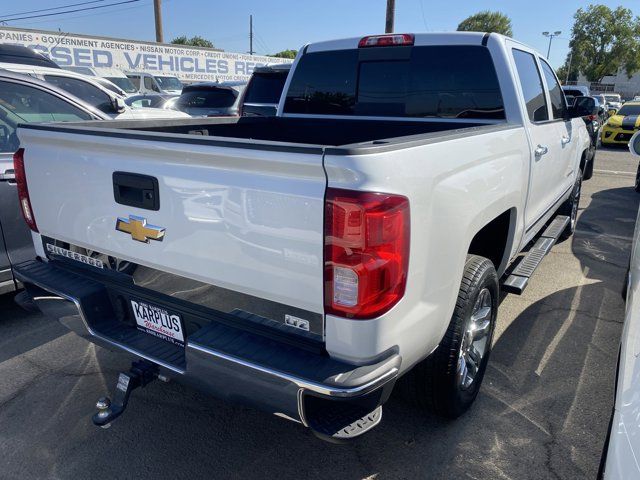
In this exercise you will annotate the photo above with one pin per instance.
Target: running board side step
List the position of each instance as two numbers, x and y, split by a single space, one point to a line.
518 280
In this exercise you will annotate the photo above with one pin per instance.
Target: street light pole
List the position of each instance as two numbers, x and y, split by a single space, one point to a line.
550 35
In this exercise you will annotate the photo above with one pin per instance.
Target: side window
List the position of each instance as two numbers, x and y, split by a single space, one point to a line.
148 83
83 90
24 104
136 81
558 106
531 84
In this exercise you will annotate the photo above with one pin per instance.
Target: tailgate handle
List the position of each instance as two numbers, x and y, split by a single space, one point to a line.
136 190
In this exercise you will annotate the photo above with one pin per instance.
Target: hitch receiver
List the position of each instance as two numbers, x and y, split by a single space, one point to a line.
141 374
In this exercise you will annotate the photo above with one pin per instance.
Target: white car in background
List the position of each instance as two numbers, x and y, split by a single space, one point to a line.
622 448
112 78
613 101
92 92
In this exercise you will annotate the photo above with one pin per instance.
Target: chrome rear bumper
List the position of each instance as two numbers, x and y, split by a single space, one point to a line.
239 366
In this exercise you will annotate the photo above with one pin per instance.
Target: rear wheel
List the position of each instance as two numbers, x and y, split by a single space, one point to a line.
570 208
447 381
588 168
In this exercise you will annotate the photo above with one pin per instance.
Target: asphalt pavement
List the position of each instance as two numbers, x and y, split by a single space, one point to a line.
542 412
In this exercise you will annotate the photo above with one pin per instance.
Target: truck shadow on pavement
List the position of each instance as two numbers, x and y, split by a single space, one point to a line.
21 332
542 412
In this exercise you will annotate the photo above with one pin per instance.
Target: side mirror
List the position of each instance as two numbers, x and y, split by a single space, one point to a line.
634 144
118 105
583 107
612 112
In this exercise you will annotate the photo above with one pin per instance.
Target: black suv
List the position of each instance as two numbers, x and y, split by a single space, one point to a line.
262 95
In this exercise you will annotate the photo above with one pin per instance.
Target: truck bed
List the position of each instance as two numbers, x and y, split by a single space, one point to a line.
292 131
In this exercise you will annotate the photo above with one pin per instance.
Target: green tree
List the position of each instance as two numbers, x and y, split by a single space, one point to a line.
487 21
195 41
603 41
286 54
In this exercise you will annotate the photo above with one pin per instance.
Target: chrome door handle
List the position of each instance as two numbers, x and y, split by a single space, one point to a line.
540 150
565 140
8 176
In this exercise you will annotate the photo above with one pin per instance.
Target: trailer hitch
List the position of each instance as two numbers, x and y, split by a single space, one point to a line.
141 374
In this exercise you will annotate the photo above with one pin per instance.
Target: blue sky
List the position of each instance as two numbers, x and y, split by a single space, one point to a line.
282 24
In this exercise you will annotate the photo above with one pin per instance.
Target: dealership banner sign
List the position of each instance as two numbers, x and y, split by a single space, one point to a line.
184 62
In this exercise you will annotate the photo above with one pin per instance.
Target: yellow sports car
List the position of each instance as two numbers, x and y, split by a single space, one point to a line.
621 126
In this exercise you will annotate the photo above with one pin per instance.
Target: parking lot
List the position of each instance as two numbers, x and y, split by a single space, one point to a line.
542 412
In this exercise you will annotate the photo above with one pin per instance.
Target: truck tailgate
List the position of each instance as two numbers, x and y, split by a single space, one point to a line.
247 221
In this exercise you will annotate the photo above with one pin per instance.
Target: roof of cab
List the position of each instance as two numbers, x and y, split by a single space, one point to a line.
448 38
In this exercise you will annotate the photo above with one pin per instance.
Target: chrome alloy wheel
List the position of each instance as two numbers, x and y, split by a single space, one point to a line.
474 340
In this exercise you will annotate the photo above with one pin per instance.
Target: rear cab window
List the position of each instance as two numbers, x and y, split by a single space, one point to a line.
403 81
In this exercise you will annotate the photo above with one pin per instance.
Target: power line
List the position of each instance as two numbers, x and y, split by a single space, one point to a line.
68 11
116 10
424 20
53 8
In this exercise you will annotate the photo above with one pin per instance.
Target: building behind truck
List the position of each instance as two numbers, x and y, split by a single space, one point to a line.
189 64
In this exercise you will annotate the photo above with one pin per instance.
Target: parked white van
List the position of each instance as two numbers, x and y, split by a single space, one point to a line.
148 83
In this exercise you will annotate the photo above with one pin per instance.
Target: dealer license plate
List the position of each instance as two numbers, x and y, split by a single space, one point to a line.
158 322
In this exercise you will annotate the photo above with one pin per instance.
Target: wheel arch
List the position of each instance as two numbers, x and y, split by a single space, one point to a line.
495 240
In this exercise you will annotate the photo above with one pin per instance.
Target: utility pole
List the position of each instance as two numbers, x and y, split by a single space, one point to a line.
391 8
566 82
157 10
250 34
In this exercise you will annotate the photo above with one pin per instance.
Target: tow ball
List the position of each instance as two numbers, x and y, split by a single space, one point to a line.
141 374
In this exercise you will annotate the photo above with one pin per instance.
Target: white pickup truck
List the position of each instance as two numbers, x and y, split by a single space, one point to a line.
303 263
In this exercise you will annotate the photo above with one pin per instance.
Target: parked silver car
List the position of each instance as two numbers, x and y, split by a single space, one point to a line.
24 99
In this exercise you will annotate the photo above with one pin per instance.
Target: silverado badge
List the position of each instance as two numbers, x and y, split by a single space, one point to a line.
139 230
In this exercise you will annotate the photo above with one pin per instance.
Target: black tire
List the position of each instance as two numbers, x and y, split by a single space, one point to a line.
570 208
434 383
637 184
588 168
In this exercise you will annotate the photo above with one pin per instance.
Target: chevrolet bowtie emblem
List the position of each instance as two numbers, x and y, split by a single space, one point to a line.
139 230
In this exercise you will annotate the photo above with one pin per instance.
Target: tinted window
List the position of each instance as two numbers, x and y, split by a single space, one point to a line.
124 83
169 83
212 98
572 92
23 104
629 110
391 81
265 87
83 90
558 105
531 84
148 83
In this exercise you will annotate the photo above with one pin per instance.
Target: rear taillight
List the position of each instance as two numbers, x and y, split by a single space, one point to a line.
591 117
391 40
23 191
366 256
